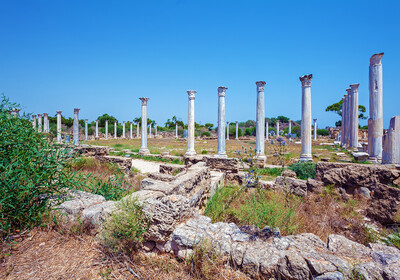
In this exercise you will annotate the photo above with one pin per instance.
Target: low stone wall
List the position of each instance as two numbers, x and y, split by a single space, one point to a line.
91 151
223 164
123 163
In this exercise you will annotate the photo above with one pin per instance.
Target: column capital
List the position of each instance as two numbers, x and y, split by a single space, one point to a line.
97 120
45 114
354 87
39 115
236 122
59 112
33 116
144 100
76 110
376 59
191 94
315 120
260 85
86 120
306 80
221 91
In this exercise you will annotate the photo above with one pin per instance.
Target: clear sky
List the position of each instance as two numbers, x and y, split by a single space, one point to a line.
101 56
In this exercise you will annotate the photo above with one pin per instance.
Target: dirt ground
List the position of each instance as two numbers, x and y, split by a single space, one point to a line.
178 147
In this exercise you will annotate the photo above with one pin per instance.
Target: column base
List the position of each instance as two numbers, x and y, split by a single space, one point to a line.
144 151
261 157
374 160
222 155
190 153
305 158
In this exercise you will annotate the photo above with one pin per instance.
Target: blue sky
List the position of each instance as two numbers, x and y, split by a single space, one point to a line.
101 56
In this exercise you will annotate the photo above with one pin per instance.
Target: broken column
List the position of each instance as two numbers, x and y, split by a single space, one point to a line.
277 128
59 126
76 127
143 148
97 129
176 131
260 121
315 129
290 127
106 130
237 130
131 135
375 121
39 122
391 142
354 116
123 129
86 130
137 130
190 151
227 130
306 118
115 129
342 127
221 122
46 122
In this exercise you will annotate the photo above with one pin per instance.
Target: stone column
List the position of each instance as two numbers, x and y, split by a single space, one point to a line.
237 130
131 135
115 129
391 142
34 121
221 122
76 126
227 130
59 126
123 129
306 118
176 131
290 127
354 116
277 128
190 151
342 127
260 121
315 129
267 130
46 122
375 121
86 130
143 149
149 130
137 130
97 129
348 117
39 122
106 132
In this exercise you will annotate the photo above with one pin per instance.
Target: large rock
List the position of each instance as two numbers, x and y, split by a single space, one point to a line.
214 163
91 151
340 245
171 169
292 185
76 202
385 204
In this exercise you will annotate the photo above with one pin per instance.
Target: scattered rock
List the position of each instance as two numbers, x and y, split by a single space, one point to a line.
385 204
289 173
288 184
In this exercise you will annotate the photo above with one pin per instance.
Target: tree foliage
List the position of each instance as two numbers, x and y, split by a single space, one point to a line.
337 108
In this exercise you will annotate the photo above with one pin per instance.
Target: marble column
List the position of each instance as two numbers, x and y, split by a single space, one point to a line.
86 130
315 129
97 129
221 122
237 130
391 142
375 121
191 151
34 121
342 127
123 129
306 118
348 117
137 130
290 127
115 129
277 128
176 131
130 131
45 122
76 126
354 116
227 130
39 122
260 121
106 130
59 126
149 130
143 149
267 130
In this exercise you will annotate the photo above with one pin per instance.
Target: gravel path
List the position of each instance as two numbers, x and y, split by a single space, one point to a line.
145 166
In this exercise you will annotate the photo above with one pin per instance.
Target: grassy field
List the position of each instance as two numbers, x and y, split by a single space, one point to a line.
178 147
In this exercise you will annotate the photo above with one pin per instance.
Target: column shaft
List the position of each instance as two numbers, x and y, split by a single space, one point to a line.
131 135
260 121
106 130
97 129
46 122
143 148
306 118
115 130
221 122
290 127
237 130
191 151
76 127
39 122
86 130
227 130
123 129
267 130
354 116
59 126
315 129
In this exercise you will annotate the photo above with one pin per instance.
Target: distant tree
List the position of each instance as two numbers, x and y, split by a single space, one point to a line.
139 121
102 120
283 119
173 122
209 126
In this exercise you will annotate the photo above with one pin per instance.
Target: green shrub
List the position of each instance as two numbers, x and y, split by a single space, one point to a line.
323 132
204 152
31 171
126 226
206 134
304 170
270 171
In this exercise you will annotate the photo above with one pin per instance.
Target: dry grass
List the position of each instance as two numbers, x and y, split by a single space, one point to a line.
179 147
47 254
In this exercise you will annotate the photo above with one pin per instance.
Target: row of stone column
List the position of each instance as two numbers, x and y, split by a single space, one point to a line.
350 117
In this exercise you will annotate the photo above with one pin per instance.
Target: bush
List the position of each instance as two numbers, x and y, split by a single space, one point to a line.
31 171
126 226
206 134
304 170
323 132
